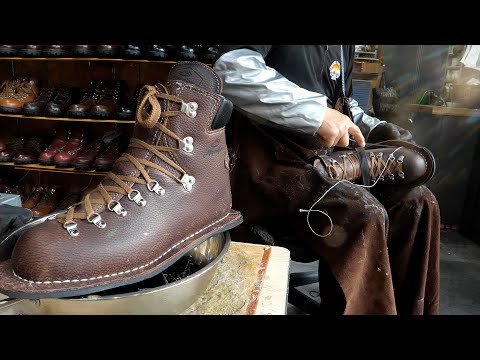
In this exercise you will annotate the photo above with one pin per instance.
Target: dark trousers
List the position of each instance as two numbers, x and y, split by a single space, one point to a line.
382 256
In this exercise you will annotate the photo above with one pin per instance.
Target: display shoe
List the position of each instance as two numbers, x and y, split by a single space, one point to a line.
49 201
57 145
209 53
9 50
82 50
126 111
131 51
34 197
31 50
165 195
69 200
56 50
105 161
392 162
7 89
160 52
75 146
109 101
64 97
107 50
186 52
12 147
86 160
90 97
30 152
37 106
24 92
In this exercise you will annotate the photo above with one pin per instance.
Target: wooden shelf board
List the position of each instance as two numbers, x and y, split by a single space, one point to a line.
38 167
18 116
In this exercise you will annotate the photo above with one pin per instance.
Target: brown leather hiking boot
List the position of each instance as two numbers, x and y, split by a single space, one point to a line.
25 92
166 194
410 165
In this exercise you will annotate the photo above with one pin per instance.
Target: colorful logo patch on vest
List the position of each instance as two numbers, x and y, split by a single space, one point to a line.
335 70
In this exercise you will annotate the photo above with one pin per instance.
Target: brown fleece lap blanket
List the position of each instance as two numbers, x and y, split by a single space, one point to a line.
382 256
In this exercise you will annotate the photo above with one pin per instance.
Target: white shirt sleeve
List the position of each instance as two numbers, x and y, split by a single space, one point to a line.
365 122
267 96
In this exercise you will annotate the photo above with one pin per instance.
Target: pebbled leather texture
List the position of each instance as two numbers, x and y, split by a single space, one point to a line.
48 262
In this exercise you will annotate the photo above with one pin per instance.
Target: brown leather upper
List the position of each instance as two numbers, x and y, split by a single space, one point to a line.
150 236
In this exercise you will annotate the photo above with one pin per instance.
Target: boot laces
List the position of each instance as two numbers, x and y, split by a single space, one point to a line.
376 163
149 111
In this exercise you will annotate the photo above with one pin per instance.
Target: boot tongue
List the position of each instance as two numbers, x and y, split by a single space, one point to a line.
196 73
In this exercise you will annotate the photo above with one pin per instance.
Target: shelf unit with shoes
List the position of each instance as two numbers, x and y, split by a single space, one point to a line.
74 73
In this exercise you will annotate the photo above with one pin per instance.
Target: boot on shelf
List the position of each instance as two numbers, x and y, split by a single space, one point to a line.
166 194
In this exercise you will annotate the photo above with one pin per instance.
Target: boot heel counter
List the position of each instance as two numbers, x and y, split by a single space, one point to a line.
223 115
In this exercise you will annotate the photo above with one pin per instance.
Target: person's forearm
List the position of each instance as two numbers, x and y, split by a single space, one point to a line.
266 95
365 122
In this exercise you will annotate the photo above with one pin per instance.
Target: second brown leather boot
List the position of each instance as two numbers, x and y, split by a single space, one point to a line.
166 194
392 162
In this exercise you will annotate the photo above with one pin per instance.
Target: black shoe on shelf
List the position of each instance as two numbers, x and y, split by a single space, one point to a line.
131 51
208 54
186 53
157 52
31 51
82 51
37 106
9 50
108 51
64 97
56 51
126 111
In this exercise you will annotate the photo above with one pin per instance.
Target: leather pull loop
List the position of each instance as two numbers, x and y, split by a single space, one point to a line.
364 168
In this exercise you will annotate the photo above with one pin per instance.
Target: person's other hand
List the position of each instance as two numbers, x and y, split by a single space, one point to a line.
336 128
389 131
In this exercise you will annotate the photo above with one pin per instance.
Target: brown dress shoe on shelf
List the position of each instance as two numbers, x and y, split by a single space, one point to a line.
49 202
90 97
25 92
86 160
105 160
109 101
69 200
166 194
34 197
57 145
12 147
75 146
409 166
30 152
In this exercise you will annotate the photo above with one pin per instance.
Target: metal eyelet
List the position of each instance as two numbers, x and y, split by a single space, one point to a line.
96 219
391 157
137 198
155 187
71 228
400 159
187 182
116 208
372 155
401 174
186 144
379 155
190 109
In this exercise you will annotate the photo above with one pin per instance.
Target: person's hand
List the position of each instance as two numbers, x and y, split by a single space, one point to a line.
336 128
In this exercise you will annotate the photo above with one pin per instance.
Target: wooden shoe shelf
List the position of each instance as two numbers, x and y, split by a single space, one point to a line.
70 72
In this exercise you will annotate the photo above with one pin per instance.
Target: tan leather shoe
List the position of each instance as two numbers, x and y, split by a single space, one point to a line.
48 202
25 92
34 197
